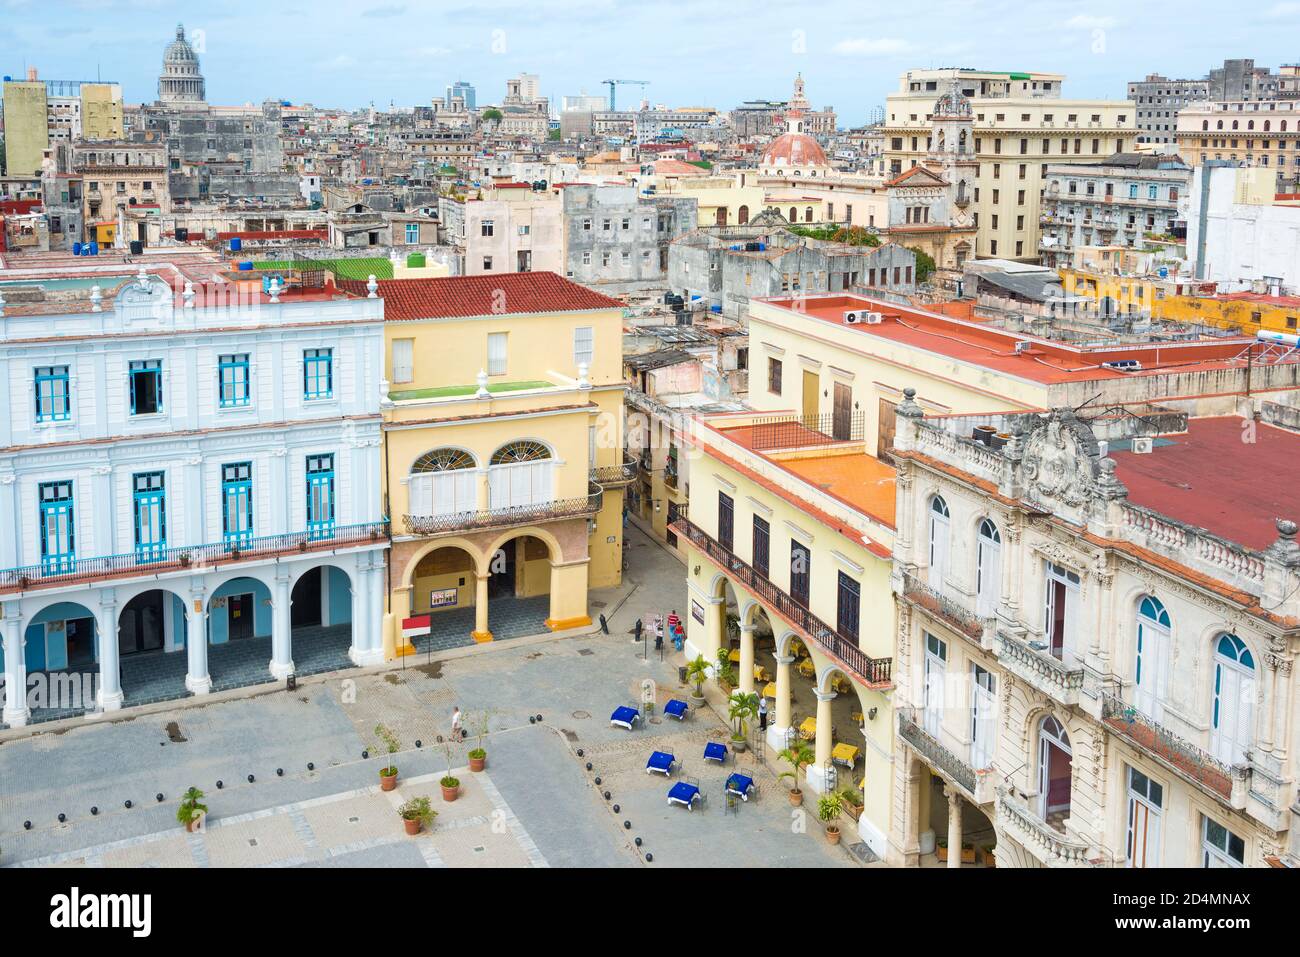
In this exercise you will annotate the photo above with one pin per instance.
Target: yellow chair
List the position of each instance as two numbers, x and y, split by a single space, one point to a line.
806 668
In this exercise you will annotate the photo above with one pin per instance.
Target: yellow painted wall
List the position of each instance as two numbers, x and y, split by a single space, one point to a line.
101 112
880 368
26 127
877 627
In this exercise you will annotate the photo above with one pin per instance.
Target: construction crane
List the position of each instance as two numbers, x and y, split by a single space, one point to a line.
612 84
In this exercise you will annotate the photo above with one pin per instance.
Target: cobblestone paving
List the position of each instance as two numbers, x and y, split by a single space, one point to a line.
536 804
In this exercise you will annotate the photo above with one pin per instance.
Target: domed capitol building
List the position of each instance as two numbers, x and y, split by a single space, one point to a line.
180 82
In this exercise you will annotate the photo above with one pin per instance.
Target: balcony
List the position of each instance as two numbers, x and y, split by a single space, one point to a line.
873 672
615 475
187 558
1050 846
951 613
934 753
507 516
1053 677
1185 759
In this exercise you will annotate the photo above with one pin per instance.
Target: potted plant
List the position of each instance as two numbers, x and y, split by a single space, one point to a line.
450 784
390 746
696 672
726 674
740 707
941 849
851 802
417 813
478 756
191 811
829 808
798 755
185 559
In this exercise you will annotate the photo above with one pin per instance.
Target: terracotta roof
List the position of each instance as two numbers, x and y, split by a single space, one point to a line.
914 171
794 149
519 293
1225 474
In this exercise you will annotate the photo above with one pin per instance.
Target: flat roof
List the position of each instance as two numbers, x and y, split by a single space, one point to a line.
1044 361
1213 478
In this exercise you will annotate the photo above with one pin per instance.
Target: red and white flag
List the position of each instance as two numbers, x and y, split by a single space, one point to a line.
417 626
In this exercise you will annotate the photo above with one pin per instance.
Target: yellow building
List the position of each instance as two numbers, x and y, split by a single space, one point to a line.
1020 125
26 126
788 546
504 463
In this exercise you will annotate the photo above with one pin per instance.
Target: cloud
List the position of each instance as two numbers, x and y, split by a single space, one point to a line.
390 10
1282 11
864 46
340 62
1084 22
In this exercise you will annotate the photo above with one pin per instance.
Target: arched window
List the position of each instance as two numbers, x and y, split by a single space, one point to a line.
938 539
988 569
1234 124
1151 665
794 215
1250 124
1233 720
1055 760
742 215
1205 124
807 215
1219 125
443 482
1267 125
521 474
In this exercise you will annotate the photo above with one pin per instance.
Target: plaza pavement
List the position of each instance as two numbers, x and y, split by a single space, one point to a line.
536 805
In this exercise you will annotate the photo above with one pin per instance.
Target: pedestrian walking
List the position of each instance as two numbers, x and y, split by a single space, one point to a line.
457 732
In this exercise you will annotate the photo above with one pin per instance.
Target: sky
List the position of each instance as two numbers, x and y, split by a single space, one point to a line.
350 53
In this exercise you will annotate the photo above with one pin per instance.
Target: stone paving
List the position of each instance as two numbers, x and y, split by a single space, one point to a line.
507 618
535 805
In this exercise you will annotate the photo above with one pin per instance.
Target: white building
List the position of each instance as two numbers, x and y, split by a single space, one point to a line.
1237 235
1097 628
189 471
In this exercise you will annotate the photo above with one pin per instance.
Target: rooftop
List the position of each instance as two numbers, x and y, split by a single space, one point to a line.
510 294
1040 360
1212 477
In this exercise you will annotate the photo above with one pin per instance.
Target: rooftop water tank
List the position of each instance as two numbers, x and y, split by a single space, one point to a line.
415 261
245 267
236 244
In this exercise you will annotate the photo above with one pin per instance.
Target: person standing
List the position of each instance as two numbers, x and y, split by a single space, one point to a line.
457 732
674 628
762 714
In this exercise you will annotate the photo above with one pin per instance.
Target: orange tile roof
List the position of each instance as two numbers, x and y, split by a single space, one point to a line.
520 293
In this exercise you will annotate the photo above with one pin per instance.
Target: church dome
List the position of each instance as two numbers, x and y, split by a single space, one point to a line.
794 150
179 50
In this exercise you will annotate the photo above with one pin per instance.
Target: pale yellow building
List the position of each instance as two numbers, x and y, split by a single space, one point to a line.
504 463
40 115
1021 124
1260 134
26 132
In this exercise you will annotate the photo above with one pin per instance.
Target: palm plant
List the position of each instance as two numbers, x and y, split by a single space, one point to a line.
798 755
697 671
741 705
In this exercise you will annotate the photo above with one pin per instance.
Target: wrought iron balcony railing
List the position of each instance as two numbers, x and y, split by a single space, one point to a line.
1174 751
934 753
153 560
872 671
616 474
952 613
588 504
773 432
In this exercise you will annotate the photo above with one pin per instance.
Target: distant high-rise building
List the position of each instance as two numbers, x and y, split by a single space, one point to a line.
463 90
180 81
1159 98
40 115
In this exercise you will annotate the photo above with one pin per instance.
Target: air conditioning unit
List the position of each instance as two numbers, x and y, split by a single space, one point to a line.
853 317
1123 365
1142 444
1023 346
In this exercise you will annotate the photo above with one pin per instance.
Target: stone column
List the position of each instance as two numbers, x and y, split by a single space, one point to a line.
777 731
281 629
818 778
110 674
374 621
481 632
16 711
197 679
954 825
747 659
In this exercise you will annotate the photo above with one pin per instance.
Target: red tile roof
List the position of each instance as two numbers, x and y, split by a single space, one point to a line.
1214 478
519 293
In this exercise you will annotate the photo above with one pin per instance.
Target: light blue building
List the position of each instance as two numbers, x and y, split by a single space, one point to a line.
196 474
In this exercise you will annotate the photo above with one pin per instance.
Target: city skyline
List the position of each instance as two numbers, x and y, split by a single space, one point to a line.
851 68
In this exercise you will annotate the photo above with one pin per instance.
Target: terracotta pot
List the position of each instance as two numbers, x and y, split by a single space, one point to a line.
450 794
833 835
478 764
412 827
796 798
194 825
387 781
